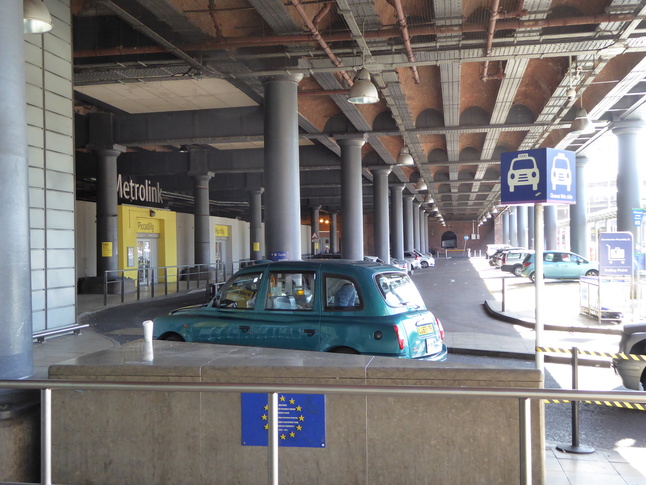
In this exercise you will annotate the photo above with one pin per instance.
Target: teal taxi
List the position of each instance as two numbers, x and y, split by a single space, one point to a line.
355 307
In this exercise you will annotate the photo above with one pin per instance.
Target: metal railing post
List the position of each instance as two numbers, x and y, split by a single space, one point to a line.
152 282
525 425
166 281
575 447
123 286
139 273
272 439
46 436
504 294
105 288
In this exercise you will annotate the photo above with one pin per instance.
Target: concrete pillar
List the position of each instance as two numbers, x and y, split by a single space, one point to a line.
408 222
255 225
550 227
201 214
628 175
15 267
315 212
505 227
282 176
381 220
521 225
334 232
578 212
513 226
351 197
530 227
415 215
423 231
397 220
107 234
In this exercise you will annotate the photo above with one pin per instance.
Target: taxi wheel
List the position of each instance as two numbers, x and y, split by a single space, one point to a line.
592 272
518 270
343 350
532 277
173 337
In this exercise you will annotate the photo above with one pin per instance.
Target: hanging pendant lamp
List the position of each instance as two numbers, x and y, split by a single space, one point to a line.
36 17
363 91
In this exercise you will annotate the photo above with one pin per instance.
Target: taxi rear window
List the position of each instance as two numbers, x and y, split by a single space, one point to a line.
399 290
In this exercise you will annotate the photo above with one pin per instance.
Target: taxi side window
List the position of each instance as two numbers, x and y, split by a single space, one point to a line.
341 294
240 293
291 291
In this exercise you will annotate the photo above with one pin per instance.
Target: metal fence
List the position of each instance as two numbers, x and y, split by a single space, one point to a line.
524 397
146 282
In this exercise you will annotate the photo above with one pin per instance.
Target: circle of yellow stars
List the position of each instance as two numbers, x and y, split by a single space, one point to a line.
301 418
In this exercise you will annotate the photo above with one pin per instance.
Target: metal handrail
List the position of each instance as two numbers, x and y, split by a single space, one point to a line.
525 396
221 268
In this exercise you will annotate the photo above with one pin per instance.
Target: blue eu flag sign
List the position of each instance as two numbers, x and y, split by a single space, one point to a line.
301 420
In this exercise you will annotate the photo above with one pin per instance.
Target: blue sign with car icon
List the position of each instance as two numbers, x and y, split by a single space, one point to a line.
544 175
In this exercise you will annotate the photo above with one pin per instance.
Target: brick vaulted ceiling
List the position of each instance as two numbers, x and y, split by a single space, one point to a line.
460 81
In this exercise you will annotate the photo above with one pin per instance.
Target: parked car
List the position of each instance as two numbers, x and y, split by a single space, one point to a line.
633 342
492 248
426 260
413 259
397 263
560 265
512 261
329 306
496 259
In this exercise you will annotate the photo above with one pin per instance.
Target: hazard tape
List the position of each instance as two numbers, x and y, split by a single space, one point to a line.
614 404
591 353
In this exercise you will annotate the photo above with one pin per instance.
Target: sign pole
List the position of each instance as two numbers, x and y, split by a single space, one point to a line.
539 248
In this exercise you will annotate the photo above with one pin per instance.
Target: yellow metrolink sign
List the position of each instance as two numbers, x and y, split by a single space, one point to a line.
133 192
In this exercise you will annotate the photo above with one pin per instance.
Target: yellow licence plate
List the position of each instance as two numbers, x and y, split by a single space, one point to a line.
425 330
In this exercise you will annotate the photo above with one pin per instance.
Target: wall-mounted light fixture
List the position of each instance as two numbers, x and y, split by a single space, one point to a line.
36 17
152 213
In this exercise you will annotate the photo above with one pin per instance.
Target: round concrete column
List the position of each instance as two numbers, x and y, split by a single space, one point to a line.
408 222
505 227
530 227
521 225
397 220
578 212
282 176
15 284
255 225
415 215
513 227
381 219
201 216
550 227
334 232
315 228
628 175
107 234
424 232
351 197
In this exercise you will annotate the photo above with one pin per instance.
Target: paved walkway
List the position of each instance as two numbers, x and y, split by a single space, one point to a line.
467 296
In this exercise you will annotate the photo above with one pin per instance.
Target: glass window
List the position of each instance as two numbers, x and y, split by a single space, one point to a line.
291 291
240 292
341 294
399 290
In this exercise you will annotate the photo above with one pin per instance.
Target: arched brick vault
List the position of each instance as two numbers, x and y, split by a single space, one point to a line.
453 120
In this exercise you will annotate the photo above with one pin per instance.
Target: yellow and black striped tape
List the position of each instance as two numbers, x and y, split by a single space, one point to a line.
614 404
620 356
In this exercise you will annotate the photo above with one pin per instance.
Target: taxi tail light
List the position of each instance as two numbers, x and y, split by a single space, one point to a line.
399 338
440 328
526 265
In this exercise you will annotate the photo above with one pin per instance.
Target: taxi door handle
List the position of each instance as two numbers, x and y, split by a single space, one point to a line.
309 331
245 328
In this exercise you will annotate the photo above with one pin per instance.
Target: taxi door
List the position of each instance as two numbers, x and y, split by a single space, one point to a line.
290 317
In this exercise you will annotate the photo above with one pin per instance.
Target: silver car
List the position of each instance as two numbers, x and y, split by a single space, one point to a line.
632 370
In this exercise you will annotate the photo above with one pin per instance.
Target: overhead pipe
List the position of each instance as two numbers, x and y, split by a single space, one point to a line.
216 22
403 26
491 30
316 35
371 35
